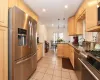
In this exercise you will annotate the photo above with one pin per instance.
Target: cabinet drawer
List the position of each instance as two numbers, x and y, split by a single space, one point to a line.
4 13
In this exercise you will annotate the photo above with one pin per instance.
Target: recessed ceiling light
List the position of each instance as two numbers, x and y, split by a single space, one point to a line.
97 6
52 24
66 6
44 10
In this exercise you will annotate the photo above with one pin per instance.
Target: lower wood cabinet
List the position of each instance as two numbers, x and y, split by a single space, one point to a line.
71 55
3 53
60 50
39 51
63 50
66 51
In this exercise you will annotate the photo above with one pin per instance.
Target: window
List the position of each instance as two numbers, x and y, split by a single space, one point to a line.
60 35
57 36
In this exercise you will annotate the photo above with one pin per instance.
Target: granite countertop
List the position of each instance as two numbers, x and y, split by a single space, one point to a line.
84 53
39 43
62 43
82 50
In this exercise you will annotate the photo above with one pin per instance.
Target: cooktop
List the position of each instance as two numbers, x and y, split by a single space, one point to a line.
94 53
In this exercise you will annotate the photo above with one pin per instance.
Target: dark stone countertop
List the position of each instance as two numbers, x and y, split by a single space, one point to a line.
82 51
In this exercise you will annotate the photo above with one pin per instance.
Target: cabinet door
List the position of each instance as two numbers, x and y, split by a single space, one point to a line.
79 27
4 13
38 57
3 53
71 26
40 52
60 50
72 55
91 14
66 51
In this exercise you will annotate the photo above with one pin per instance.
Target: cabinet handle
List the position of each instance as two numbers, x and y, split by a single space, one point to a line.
88 69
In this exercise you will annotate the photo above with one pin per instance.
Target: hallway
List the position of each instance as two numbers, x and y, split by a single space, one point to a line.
50 68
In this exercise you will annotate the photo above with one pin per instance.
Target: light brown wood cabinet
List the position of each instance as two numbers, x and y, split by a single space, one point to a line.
4 40
75 27
66 51
81 11
92 16
60 50
20 4
79 27
4 13
71 26
78 18
39 51
71 55
3 53
63 50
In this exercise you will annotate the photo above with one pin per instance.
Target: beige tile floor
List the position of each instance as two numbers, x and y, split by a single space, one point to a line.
50 68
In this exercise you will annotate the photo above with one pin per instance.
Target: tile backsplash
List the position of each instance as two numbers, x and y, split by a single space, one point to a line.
98 37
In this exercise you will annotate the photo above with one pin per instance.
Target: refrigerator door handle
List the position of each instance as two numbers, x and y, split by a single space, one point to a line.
34 54
23 60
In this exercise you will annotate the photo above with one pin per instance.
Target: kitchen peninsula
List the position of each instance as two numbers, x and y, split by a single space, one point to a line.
80 59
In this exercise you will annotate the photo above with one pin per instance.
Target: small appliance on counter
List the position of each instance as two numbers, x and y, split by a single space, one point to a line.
97 47
75 40
46 46
37 40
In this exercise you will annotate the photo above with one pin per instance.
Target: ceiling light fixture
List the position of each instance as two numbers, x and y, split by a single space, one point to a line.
58 23
44 10
52 24
66 6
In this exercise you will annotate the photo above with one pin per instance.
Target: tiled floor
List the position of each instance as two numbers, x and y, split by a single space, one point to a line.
50 68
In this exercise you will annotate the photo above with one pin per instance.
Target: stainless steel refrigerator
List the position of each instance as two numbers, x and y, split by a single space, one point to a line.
22 45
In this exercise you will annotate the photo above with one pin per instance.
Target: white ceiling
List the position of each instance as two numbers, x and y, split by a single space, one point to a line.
54 9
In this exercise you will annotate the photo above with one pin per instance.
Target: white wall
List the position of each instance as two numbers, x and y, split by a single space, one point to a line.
42 33
51 30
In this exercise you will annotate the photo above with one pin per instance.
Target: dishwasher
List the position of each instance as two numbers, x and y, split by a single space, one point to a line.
78 65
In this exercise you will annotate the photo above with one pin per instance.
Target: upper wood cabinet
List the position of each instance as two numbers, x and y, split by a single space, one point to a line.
4 13
3 53
75 26
81 11
79 27
71 26
92 16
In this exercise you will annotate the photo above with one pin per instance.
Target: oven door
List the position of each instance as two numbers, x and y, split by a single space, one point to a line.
87 71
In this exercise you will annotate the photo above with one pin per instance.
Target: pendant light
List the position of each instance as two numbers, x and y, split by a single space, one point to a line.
58 23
